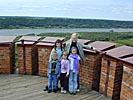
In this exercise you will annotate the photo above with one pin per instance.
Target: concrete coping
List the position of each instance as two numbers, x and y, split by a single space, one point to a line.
7 39
49 41
87 50
100 46
32 38
44 44
128 60
121 52
53 39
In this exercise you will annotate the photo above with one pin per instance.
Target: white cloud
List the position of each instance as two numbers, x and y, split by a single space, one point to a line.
109 9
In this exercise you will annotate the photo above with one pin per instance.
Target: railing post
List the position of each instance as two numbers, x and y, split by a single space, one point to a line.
24 57
107 77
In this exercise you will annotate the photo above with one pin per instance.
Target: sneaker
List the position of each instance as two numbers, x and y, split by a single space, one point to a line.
71 93
64 91
74 93
49 91
44 89
78 90
54 90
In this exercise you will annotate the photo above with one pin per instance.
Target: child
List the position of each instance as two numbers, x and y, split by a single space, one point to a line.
53 72
64 72
74 61
59 49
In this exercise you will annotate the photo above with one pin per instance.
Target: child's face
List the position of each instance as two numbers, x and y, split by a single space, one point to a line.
54 56
64 56
58 45
74 51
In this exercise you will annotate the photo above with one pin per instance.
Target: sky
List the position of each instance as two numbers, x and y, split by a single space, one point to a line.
88 9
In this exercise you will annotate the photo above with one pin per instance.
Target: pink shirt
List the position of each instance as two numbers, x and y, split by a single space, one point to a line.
65 66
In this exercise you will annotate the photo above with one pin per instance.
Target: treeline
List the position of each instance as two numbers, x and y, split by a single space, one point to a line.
45 22
94 36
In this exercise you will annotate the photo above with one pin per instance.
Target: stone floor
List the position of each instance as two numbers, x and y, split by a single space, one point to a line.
26 87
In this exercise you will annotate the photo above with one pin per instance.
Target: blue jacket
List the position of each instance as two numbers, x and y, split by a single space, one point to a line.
57 68
59 53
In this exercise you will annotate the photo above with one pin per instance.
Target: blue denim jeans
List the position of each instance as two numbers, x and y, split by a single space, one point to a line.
52 78
72 81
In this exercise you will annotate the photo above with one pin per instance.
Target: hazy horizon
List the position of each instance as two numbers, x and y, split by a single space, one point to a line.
67 17
83 9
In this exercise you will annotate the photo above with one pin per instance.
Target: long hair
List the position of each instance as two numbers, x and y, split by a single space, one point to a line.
58 41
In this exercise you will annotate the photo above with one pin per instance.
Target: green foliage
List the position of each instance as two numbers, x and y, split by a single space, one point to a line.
32 34
120 38
105 36
18 37
66 35
45 22
128 42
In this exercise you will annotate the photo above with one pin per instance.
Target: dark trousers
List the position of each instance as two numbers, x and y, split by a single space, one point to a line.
64 81
78 82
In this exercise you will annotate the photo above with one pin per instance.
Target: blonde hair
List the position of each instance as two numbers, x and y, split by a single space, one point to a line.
54 52
74 35
65 53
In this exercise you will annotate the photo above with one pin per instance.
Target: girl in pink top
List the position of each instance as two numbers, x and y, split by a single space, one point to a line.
64 72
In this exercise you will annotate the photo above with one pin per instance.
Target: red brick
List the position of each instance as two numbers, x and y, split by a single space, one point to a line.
114 78
7 59
127 84
31 59
43 59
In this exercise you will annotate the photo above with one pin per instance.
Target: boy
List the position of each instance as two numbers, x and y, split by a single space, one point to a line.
53 72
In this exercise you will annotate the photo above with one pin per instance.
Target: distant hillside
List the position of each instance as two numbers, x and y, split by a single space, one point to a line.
45 22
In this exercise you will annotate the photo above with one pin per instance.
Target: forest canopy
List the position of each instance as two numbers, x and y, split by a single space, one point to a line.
12 22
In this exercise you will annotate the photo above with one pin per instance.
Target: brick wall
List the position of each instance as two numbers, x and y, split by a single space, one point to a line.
111 77
43 58
99 72
31 59
90 70
127 83
7 58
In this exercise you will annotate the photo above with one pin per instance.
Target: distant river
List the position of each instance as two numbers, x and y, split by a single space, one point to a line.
37 31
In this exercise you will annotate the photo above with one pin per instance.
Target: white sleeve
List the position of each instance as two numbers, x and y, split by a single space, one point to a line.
79 57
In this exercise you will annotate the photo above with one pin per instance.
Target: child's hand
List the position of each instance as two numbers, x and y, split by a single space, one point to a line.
58 76
94 49
66 75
